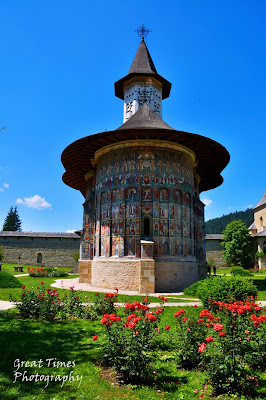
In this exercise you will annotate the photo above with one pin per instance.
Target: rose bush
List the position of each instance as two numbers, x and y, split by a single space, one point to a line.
130 341
228 341
46 304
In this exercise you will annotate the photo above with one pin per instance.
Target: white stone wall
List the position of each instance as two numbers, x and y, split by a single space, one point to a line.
138 94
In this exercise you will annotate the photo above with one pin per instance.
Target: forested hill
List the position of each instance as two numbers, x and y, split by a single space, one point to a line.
217 225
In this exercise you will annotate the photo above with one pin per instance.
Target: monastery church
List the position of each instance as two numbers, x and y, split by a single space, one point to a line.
143 224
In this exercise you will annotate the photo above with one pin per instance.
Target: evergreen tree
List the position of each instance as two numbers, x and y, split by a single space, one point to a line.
217 225
236 244
12 221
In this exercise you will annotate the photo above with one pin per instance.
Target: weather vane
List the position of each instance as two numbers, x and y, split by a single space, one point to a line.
143 31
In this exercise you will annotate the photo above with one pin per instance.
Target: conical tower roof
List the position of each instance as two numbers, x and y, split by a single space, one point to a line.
145 118
261 202
142 66
142 63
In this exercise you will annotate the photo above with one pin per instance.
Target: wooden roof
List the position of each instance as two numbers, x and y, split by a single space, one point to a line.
142 66
212 157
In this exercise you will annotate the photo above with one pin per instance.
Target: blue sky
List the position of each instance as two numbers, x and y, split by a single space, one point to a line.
60 59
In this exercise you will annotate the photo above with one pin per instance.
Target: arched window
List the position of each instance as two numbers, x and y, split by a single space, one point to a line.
39 258
261 221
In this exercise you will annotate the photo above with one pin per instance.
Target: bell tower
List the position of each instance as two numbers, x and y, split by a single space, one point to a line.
142 84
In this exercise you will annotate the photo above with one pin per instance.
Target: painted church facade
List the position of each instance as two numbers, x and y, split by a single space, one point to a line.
143 224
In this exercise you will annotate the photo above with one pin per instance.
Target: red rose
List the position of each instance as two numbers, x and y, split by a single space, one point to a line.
23 287
222 334
218 327
95 337
42 283
167 327
202 348
209 339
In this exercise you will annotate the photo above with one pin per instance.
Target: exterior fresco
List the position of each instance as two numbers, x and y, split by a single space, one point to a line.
143 193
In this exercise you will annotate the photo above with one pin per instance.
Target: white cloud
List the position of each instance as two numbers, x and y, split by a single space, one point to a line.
229 208
207 201
5 186
71 231
35 201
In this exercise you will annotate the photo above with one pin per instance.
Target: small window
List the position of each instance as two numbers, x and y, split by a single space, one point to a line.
39 258
147 226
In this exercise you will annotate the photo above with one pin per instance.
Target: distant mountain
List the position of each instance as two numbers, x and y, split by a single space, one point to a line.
217 225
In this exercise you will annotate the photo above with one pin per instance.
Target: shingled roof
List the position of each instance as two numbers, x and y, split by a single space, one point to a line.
39 234
142 62
145 117
142 66
261 202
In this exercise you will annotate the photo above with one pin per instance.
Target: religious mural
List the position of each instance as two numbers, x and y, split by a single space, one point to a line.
87 244
142 193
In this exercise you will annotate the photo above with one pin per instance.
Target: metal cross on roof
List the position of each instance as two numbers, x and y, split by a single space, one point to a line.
143 31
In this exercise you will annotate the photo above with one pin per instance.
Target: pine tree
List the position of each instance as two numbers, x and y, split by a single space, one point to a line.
12 221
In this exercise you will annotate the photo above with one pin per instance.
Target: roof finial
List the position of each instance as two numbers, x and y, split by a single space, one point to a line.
143 31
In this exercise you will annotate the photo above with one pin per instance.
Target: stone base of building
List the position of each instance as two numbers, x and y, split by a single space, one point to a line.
85 271
142 275
176 275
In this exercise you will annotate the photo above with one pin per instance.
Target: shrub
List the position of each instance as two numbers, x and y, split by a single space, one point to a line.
8 280
191 332
41 304
129 342
240 271
226 289
237 348
192 290
103 304
46 304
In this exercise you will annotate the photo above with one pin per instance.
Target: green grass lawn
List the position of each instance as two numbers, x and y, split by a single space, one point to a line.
31 282
72 341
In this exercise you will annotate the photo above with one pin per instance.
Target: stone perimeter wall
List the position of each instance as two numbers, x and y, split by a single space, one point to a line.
56 252
214 250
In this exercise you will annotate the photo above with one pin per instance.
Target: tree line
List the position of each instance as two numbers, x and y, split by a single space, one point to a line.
218 225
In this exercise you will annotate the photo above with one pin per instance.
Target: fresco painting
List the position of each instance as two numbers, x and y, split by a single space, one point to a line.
132 184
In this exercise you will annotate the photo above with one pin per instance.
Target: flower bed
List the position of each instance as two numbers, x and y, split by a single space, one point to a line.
40 272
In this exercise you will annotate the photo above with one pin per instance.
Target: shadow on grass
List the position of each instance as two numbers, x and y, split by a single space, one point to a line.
170 383
30 340
259 283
